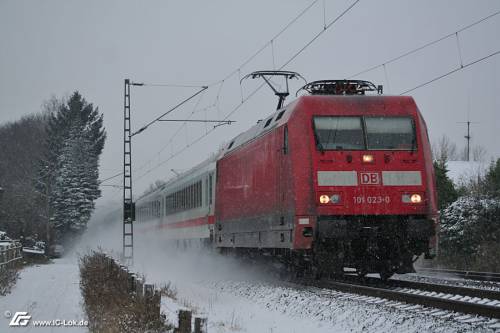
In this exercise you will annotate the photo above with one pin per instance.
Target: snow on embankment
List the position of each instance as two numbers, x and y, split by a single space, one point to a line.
46 292
240 296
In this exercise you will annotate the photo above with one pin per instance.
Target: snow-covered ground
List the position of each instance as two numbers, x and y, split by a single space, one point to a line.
239 296
239 300
46 292
235 296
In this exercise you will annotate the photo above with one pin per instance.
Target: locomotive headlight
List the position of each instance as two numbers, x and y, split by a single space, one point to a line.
416 198
411 198
367 158
324 199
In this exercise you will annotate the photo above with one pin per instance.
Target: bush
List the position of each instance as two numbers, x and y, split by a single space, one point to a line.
110 303
470 233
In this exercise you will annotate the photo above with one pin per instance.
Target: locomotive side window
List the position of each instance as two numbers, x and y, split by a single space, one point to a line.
393 133
268 122
280 115
339 133
285 140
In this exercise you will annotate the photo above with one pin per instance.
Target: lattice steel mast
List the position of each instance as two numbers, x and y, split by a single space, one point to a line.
128 205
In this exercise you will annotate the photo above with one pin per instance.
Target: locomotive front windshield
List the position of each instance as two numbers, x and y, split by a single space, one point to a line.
364 133
339 133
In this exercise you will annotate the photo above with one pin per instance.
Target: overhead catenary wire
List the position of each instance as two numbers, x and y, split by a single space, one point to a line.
111 177
320 33
238 106
172 137
237 70
462 67
170 110
255 54
426 45
220 83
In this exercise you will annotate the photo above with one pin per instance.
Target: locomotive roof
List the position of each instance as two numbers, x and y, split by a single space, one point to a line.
281 116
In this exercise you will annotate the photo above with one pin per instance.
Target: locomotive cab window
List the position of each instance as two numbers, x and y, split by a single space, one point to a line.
391 133
339 133
364 133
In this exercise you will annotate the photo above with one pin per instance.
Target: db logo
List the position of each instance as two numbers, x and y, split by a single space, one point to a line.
20 319
369 178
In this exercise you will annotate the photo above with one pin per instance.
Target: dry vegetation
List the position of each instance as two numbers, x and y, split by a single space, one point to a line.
111 304
8 277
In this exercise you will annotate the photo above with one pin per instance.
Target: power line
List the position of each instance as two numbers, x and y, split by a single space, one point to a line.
171 85
455 33
451 72
237 70
269 42
320 33
235 109
171 137
169 111
109 178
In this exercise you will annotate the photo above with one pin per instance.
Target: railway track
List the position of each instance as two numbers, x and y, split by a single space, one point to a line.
478 302
469 275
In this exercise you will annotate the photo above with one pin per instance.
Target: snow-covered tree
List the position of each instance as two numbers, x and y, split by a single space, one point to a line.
491 181
470 232
445 189
76 139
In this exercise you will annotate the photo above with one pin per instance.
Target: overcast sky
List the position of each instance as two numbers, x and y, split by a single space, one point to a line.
56 47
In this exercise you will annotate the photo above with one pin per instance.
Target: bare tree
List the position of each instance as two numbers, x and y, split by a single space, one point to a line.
478 153
444 150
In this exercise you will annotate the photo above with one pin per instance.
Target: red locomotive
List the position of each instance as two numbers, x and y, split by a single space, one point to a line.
337 178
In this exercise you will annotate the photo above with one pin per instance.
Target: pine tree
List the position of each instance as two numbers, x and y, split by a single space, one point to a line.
445 189
491 181
76 139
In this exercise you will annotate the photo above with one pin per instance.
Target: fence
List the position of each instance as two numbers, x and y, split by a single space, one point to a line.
107 286
153 294
10 252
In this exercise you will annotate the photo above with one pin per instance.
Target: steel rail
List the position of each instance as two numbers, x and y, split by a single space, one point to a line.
446 289
425 286
473 308
469 275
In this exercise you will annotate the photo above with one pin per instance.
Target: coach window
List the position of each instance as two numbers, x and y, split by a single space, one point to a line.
200 203
392 133
183 199
191 196
206 191
339 133
210 186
